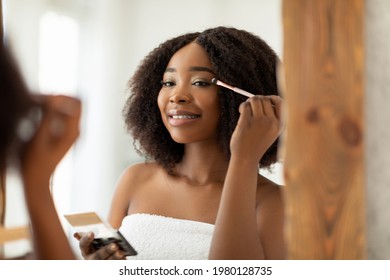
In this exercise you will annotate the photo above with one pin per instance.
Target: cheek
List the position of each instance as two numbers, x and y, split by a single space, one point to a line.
212 108
161 103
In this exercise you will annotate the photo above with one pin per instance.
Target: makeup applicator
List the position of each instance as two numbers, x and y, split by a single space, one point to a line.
215 81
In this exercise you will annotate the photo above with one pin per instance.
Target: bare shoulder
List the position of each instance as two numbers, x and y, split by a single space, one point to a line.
270 217
268 189
269 199
132 179
139 173
139 176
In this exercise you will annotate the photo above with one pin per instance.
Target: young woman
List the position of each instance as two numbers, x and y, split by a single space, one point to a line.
199 194
35 147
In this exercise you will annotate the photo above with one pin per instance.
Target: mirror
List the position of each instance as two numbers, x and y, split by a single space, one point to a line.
90 49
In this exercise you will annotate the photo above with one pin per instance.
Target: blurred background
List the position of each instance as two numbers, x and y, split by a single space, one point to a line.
89 49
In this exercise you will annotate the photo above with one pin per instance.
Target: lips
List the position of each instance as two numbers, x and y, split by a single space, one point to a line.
182 113
181 117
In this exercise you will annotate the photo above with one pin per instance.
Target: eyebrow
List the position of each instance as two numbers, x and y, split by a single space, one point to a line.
193 69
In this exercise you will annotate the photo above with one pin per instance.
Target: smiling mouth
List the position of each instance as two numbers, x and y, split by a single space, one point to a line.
182 114
182 117
178 117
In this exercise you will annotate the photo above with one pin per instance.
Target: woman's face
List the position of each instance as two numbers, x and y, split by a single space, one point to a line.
188 102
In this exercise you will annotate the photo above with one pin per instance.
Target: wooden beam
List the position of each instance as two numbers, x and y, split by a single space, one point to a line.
324 143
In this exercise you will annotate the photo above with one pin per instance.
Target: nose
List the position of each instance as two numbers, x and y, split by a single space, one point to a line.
179 97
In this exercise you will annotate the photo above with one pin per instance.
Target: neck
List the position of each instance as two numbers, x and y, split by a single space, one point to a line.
203 164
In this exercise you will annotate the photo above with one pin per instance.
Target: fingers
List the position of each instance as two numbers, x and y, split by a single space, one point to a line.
108 252
277 102
64 112
245 109
86 243
62 103
60 116
77 235
261 109
260 105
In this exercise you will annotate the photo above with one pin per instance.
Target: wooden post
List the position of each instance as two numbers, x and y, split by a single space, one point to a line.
324 141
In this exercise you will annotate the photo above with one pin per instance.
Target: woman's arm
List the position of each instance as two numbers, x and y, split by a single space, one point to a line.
237 233
270 220
56 133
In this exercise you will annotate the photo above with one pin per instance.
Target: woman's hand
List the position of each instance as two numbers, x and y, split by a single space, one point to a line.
56 133
108 252
258 127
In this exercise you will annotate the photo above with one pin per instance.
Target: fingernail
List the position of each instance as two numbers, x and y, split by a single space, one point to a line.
113 247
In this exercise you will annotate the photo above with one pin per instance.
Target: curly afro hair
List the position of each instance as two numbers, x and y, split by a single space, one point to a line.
238 58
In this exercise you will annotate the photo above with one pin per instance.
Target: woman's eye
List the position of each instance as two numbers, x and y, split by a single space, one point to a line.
201 83
167 83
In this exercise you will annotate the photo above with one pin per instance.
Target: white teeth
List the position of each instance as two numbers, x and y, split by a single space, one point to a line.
184 117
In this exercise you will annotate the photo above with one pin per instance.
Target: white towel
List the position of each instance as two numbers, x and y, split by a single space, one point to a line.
157 237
